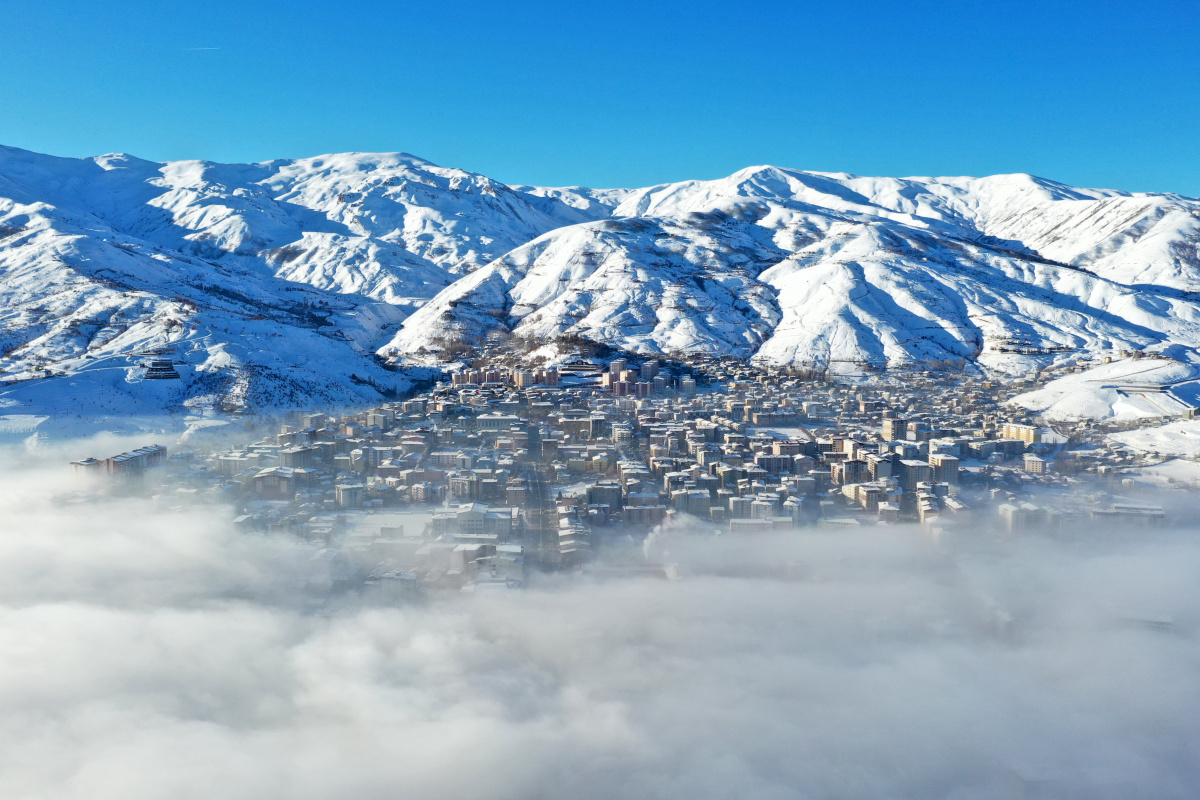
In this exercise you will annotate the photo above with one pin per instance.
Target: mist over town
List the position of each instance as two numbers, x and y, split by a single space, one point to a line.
616 401
663 578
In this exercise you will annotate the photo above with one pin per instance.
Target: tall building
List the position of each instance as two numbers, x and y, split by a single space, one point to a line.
135 461
913 472
918 432
1022 516
1028 434
880 466
608 493
849 471
945 468
349 495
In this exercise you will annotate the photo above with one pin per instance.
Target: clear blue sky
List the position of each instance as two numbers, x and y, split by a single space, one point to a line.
621 93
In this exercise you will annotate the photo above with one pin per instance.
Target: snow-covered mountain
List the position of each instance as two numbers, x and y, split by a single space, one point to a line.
269 283
790 266
291 281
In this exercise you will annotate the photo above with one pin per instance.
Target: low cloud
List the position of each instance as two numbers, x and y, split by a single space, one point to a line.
163 655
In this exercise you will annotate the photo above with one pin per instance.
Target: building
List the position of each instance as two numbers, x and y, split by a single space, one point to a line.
644 515
928 509
516 493
161 369
275 483
913 472
380 418
879 466
573 544
427 492
474 521
496 422
298 457
392 587
945 468
774 463
87 466
464 487
1130 513
1019 517
865 495
607 493
1026 433
349 495
764 507
849 471
135 462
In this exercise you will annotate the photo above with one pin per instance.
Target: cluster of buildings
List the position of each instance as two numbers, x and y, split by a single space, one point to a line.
503 376
621 379
130 465
496 467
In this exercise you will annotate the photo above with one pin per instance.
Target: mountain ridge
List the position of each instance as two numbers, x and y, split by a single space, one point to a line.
289 278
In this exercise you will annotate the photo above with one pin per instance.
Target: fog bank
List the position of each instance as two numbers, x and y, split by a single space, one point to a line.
162 655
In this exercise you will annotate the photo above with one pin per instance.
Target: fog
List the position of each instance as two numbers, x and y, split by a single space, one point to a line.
152 654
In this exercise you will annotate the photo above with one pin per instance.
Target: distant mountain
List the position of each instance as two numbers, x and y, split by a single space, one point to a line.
271 283
786 266
293 281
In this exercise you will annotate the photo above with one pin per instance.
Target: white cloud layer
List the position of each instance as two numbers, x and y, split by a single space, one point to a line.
154 655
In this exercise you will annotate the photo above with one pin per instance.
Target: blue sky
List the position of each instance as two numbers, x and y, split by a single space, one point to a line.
621 93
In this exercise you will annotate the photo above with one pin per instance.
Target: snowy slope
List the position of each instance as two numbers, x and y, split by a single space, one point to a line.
1179 439
827 268
92 311
1125 389
270 284
290 281
884 294
415 214
641 284
1124 236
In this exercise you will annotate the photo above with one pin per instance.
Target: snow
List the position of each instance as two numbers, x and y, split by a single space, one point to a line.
1175 471
20 425
1110 391
781 432
1180 439
791 267
287 282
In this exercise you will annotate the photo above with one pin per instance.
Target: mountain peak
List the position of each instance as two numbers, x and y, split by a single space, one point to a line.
294 272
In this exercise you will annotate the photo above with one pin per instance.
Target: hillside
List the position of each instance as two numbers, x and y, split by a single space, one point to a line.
296 281
787 267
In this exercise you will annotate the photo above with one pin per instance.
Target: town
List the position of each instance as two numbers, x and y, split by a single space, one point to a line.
500 471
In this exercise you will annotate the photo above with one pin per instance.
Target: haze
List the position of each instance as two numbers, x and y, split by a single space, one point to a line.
155 654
